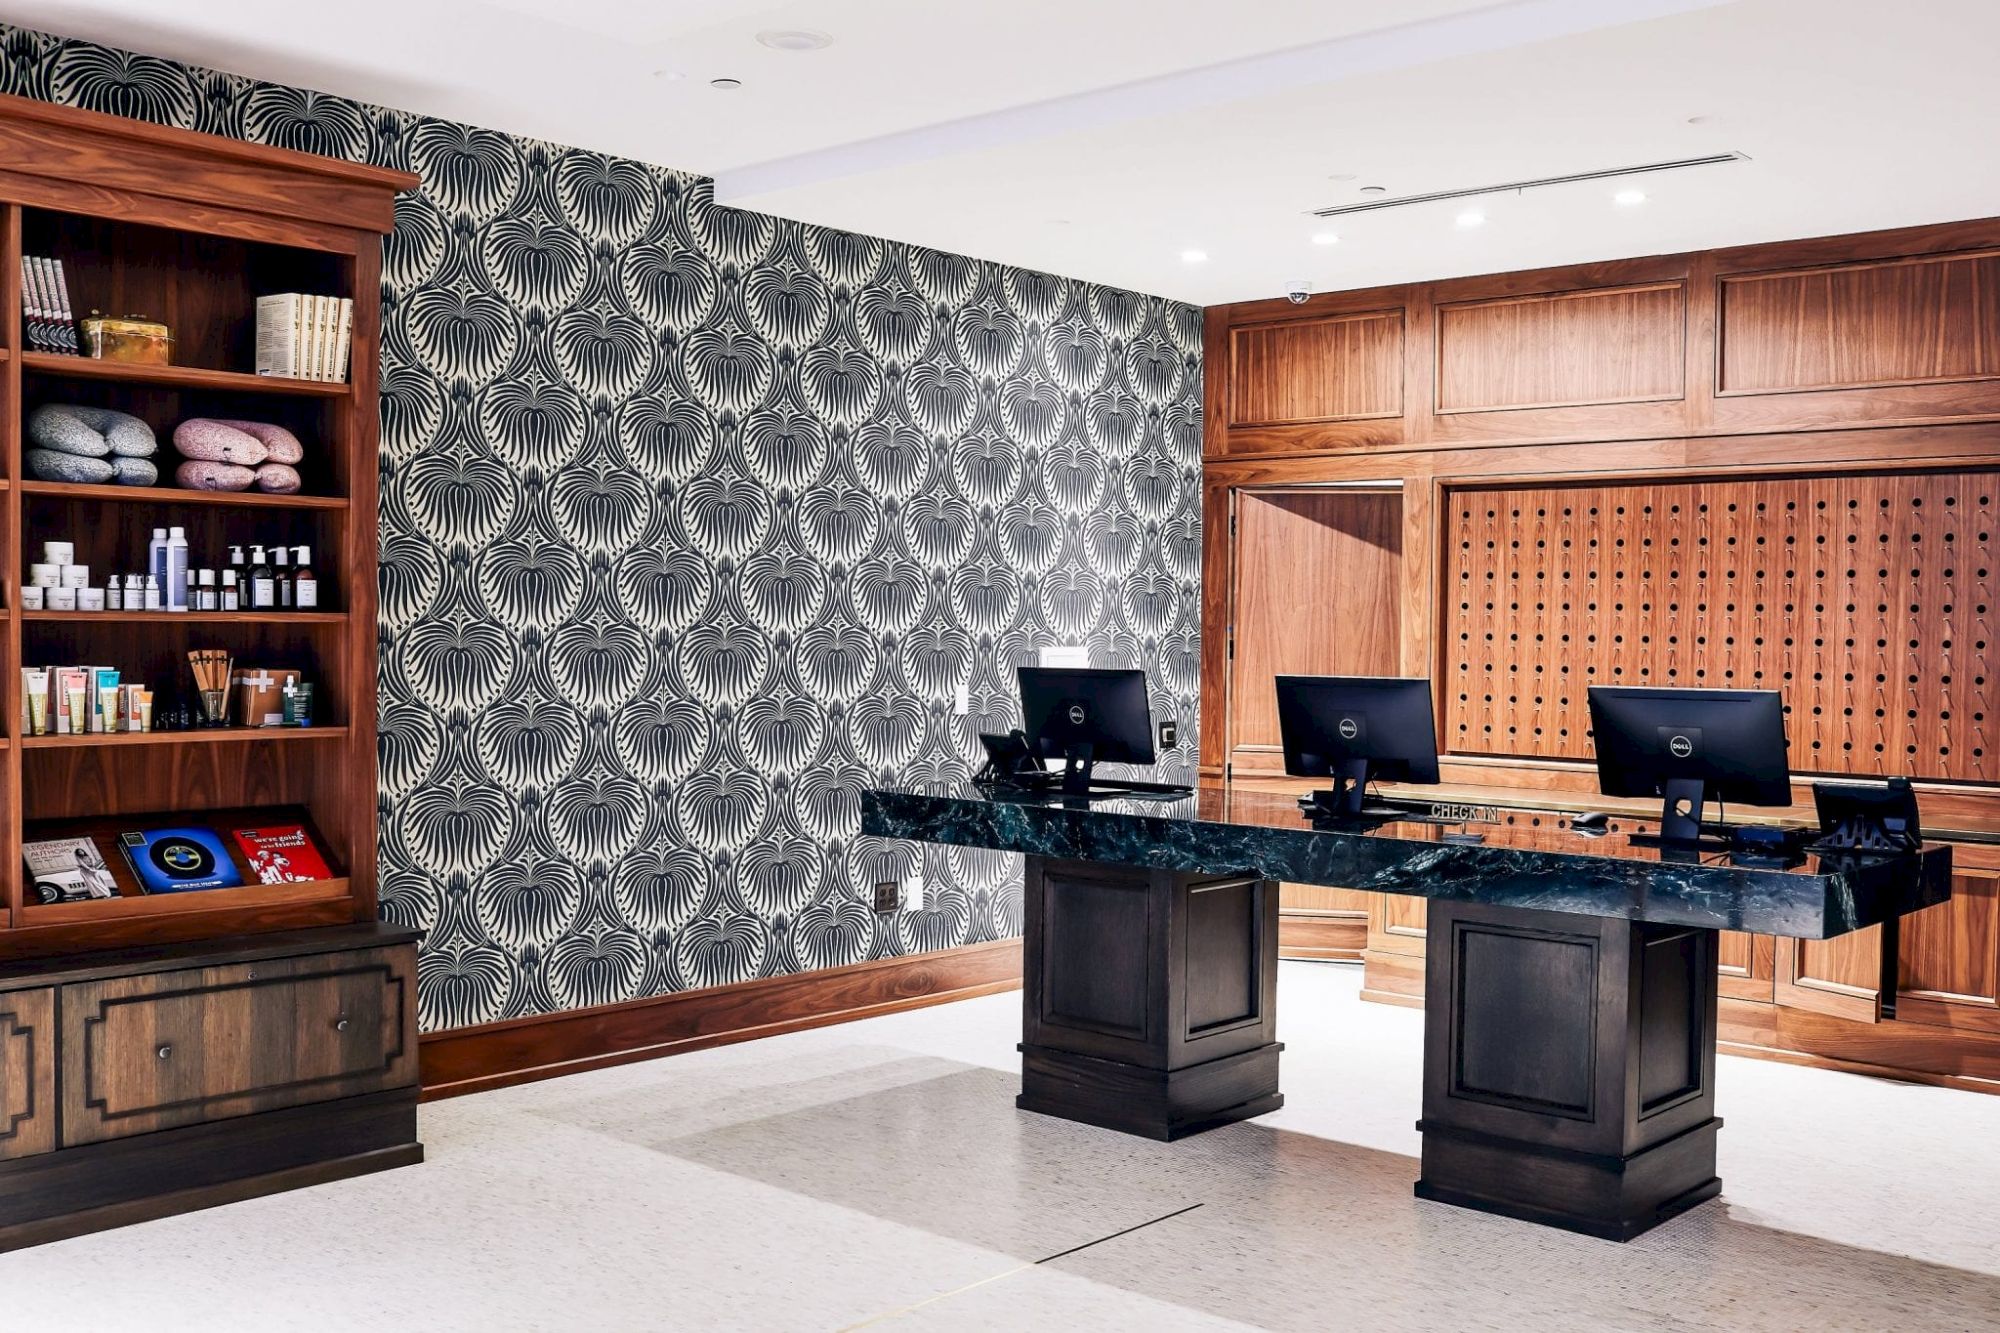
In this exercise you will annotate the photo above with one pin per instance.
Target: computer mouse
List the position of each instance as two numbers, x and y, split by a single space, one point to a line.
1590 821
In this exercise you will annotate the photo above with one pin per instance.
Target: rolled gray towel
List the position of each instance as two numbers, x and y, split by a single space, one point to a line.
136 472
90 432
49 465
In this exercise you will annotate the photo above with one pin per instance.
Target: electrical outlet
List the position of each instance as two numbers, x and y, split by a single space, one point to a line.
1066 655
913 895
1170 733
888 895
962 701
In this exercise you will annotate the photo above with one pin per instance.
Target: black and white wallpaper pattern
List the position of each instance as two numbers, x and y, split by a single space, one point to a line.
694 522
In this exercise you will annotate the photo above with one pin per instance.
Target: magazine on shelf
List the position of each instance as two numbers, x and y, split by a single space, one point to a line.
176 860
281 854
67 870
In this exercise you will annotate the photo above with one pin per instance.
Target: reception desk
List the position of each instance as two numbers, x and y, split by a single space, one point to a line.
1569 1047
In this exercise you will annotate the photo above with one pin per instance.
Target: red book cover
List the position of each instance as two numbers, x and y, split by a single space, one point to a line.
281 854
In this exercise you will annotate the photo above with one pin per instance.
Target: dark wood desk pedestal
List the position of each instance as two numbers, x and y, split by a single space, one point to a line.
1150 997
1569 1068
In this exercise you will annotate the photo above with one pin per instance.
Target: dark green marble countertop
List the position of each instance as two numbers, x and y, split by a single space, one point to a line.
1536 861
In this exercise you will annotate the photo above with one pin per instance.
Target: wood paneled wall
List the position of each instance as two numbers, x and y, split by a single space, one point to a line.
1774 465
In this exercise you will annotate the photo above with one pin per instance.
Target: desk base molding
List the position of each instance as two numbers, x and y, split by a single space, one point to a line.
1164 1104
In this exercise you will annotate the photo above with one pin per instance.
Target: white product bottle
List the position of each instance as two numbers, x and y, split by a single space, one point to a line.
156 556
176 586
151 594
305 584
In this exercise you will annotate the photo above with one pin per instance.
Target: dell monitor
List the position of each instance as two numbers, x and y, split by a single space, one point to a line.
1085 716
1356 729
1689 747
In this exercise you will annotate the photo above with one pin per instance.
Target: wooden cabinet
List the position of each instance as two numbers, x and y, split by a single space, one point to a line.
150 1052
27 1072
192 1074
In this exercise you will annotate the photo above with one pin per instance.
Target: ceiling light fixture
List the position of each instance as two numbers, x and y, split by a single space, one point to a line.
726 85
1341 176
1374 189
1627 198
1194 256
794 39
670 75
1325 238
1472 219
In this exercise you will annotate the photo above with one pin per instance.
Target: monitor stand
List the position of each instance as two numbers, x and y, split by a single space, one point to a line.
1681 803
1349 793
1077 766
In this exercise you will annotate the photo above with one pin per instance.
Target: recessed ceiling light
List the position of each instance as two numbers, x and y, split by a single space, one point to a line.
670 75
725 84
1374 189
1627 198
1325 238
794 39
1474 218
1341 176
1699 120
1194 256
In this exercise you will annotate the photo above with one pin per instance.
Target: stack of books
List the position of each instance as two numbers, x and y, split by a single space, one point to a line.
304 337
45 306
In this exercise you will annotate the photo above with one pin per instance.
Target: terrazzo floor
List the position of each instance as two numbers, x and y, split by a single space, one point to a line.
877 1175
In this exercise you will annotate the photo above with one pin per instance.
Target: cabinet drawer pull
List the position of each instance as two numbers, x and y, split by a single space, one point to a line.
166 1051
340 1024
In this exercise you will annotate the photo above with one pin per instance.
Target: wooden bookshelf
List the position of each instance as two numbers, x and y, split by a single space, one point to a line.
189 230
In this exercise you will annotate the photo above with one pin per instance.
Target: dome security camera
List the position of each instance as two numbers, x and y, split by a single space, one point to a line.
1297 292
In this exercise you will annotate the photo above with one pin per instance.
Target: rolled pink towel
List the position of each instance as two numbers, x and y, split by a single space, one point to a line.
212 441
278 478
280 445
201 474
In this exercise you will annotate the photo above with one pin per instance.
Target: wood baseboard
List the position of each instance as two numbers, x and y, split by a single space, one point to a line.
522 1050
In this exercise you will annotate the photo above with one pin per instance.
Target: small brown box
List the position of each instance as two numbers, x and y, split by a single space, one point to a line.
139 342
260 695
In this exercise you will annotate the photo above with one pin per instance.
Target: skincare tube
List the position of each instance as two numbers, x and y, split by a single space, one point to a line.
79 715
35 685
145 710
107 709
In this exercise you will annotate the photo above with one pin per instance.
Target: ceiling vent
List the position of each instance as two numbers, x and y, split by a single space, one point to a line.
1516 187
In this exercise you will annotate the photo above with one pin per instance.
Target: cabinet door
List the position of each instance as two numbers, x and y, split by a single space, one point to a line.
27 1072
153 1052
1951 952
1841 977
1744 965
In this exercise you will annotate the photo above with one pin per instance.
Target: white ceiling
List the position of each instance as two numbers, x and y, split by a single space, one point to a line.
1102 138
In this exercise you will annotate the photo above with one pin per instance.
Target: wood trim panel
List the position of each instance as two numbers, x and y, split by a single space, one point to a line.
1924 319
1603 345
498 1055
1344 367
63 143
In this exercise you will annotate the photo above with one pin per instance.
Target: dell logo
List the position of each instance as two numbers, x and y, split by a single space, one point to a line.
1076 715
1349 729
1681 747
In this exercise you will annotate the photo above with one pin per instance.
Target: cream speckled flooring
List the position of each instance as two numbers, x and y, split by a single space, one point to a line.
877 1173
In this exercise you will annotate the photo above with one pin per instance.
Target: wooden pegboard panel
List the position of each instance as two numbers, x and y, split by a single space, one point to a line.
1867 599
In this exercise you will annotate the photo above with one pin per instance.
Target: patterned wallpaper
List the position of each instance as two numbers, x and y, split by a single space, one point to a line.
696 521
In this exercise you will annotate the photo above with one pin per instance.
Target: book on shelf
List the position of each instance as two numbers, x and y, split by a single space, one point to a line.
281 854
178 860
67 870
302 336
49 323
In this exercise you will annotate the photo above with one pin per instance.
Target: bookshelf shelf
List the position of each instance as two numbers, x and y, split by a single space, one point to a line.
200 736
134 906
189 617
174 495
176 377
